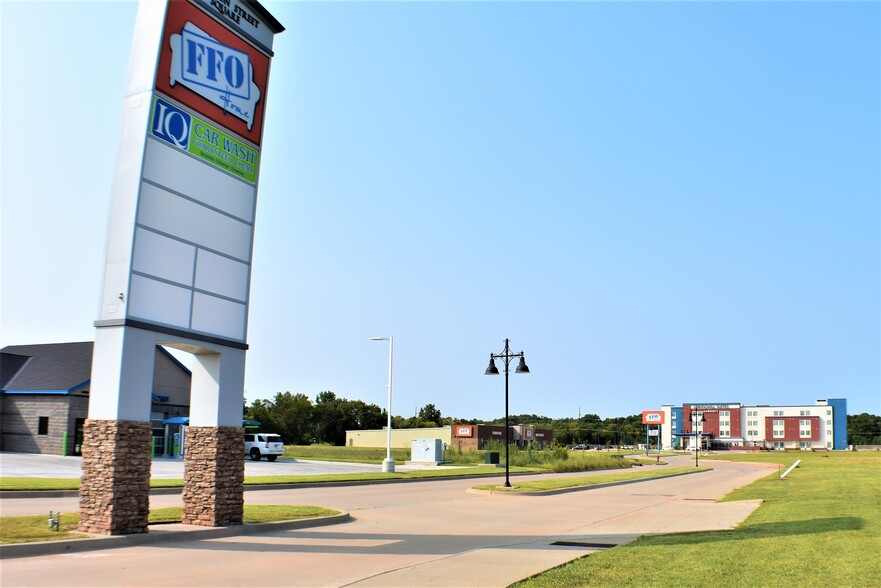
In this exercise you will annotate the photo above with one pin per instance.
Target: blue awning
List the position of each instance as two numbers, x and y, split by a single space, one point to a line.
182 420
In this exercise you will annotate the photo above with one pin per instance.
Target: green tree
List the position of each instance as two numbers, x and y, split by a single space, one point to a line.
289 415
863 429
333 416
430 415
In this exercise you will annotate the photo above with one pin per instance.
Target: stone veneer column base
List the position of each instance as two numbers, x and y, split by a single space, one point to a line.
214 476
115 486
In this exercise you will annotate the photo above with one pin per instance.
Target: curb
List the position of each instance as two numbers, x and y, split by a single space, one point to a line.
166 533
582 488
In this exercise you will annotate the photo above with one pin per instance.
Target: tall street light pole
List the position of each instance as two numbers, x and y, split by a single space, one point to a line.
388 464
492 370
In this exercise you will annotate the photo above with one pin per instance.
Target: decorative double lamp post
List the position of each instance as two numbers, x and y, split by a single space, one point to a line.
698 419
492 370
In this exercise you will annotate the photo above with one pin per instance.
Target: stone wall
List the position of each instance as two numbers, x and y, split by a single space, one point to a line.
115 487
214 475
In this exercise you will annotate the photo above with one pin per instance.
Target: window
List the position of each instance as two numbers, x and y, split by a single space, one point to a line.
829 412
804 445
724 433
828 423
724 413
778 428
804 428
804 413
778 413
43 426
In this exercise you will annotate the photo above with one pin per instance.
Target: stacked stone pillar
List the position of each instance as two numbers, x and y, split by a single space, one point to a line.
214 476
115 486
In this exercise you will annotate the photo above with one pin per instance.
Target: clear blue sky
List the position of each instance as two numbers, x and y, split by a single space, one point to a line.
658 202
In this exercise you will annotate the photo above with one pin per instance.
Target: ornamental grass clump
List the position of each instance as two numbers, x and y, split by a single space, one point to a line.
559 459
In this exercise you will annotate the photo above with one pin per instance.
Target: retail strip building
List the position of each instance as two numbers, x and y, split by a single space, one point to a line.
732 425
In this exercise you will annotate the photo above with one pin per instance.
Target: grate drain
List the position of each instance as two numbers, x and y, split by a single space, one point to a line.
585 544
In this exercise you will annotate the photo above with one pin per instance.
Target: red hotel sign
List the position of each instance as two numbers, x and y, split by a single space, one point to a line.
206 67
653 417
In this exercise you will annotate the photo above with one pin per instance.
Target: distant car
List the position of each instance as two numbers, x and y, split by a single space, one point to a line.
581 447
258 445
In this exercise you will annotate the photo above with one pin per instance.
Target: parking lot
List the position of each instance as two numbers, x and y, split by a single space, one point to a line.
31 465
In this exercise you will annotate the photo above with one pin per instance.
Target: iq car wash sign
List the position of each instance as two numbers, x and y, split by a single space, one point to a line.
208 142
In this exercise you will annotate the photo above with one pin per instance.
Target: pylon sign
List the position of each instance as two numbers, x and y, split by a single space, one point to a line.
182 219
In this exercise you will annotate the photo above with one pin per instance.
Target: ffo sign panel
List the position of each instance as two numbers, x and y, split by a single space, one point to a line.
190 252
212 71
652 417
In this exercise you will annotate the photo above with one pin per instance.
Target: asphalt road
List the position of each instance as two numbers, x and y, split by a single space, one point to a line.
427 533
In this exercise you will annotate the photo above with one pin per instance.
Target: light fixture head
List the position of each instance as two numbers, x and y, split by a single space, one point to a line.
491 370
377 338
522 368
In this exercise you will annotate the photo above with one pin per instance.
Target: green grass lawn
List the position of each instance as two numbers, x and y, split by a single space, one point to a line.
562 483
22 484
350 454
819 526
30 529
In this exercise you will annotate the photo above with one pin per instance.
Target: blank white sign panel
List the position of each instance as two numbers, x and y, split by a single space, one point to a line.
162 257
159 302
188 220
218 316
177 171
222 275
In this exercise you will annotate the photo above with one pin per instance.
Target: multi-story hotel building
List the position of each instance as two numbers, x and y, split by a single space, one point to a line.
732 425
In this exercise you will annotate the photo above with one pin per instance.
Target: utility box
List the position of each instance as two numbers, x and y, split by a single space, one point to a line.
427 450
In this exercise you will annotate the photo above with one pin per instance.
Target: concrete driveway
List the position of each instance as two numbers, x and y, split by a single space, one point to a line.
426 533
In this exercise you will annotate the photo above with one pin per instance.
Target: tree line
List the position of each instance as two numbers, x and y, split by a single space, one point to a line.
300 421
863 429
